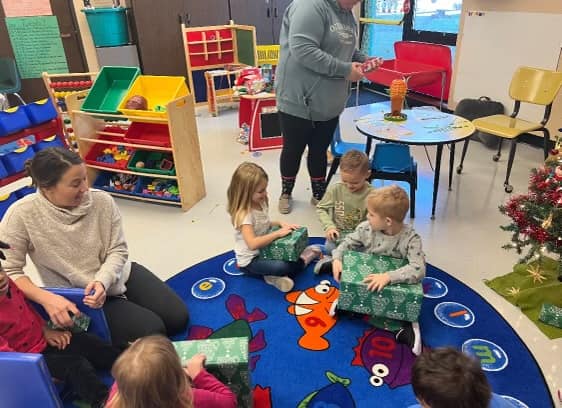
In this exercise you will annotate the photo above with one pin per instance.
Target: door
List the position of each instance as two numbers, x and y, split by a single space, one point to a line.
279 7
34 88
207 13
256 13
156 27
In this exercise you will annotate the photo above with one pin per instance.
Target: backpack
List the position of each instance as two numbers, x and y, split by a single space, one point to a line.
476 108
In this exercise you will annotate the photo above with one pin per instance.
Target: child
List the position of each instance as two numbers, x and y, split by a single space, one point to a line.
72 358
248 209
343 206
384 233
149 374
445 377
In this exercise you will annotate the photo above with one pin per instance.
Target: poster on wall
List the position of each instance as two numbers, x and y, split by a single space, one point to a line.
37 45
24 8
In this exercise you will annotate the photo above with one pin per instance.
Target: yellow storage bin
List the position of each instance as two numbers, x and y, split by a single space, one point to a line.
158 91
268 54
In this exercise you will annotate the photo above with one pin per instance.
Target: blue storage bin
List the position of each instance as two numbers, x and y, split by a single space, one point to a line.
103 182
53 141
40 112
145 181
3 171
22 192
5 202
13 120
15 161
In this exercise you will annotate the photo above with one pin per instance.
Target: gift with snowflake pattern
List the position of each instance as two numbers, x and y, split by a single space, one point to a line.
551 314
396 301
287 248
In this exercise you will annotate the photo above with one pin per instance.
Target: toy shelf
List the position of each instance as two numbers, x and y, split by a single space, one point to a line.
184 140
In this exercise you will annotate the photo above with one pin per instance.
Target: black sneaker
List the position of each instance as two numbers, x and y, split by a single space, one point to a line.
410 335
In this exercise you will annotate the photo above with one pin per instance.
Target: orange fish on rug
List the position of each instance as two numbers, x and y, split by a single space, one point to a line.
312 308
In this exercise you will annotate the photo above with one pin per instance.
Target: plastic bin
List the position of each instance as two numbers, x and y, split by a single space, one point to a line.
95 155
152 134
105 181
143 189
15 161
111 85
40 112
3 171
5 202
13 120
108 26
22 192
151 162
158 91
53 141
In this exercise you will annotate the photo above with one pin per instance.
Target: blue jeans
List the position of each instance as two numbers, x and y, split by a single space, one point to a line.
262 267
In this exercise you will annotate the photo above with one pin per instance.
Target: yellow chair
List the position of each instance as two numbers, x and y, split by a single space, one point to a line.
268 54
529 85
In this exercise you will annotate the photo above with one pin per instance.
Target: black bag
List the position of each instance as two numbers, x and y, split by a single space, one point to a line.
476 108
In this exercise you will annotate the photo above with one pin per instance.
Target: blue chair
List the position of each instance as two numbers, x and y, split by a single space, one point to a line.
26 381
393 161
338 148
10 82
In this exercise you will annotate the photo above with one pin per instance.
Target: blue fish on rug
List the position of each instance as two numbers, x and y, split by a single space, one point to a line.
334 395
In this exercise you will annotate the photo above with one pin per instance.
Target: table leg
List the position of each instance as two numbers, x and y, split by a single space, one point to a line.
436 178
368 146
451 164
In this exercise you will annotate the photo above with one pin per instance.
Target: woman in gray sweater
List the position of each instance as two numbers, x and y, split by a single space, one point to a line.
74 236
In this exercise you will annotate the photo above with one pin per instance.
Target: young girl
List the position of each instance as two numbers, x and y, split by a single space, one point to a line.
248 209
72 358
149 375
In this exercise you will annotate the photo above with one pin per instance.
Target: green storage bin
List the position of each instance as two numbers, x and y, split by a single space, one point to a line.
151 162
108 26
111 85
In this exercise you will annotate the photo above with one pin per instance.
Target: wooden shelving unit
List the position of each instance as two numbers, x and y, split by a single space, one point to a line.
184 138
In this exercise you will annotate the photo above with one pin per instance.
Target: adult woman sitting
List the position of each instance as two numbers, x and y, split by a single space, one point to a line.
74 236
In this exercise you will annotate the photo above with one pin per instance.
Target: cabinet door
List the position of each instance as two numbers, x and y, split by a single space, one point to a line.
202 13
279 7
258 13
158 31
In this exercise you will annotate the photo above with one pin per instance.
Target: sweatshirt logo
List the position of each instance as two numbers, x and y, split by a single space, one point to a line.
345 32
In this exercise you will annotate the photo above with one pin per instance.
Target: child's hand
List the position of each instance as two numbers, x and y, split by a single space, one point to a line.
377 281
291 226
284 231
337 267
195 365
57 338
332 234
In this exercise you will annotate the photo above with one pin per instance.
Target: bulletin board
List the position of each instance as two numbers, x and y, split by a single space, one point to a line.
494 43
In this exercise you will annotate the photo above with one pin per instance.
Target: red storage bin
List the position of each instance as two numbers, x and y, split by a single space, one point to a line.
152 134
95 154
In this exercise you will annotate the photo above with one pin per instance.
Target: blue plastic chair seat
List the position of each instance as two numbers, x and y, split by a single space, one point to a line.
338 148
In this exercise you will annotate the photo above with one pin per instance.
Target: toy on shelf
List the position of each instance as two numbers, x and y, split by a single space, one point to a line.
115 154
137 102
398 91
152 162
125 182
162 188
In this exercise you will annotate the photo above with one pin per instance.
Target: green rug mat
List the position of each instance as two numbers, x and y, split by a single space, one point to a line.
528 287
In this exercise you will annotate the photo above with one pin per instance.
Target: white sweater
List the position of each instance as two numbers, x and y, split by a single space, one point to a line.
70 248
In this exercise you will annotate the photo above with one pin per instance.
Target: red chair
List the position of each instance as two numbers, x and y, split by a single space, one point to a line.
425 67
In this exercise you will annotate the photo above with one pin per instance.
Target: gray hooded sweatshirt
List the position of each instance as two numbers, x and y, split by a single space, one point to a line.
318 43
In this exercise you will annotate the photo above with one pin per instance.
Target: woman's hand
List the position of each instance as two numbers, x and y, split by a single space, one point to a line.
95 295
356 72
57 338
195 364
59 308
332 234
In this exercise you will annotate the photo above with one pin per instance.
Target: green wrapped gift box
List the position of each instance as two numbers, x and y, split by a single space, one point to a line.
288 248
397 301
80 324
227 359
551 314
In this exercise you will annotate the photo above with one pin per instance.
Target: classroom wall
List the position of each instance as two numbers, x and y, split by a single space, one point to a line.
536 6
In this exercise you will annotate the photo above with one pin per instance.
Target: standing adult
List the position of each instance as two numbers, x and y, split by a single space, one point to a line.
74 236
318 59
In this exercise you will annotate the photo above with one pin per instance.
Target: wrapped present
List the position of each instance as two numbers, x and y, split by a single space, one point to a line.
227 359
397 301
385 323
551 314
288 248
80 324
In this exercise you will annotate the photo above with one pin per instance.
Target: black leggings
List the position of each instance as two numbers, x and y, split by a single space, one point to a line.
150 307
299 133
76 365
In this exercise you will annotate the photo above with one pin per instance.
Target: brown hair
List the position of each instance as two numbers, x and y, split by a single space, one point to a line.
243 184
149 375
354 160
391 201
49 165
445 377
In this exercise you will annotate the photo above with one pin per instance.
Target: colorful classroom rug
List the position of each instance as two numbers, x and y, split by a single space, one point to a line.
528 287
311 361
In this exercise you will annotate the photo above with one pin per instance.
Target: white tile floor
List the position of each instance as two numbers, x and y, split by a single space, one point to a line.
465 239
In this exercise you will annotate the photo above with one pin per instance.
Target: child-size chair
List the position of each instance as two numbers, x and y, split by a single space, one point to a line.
529 85
393 161
338 148
9 78
26 381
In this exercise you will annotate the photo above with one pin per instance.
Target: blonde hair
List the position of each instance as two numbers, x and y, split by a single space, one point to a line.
149 375
244 182
354 160
391 201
